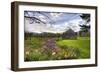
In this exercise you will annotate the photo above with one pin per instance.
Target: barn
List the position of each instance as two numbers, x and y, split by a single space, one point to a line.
69 34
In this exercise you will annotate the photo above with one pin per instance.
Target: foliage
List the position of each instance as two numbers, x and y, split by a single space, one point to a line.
39 48
85 17
85 29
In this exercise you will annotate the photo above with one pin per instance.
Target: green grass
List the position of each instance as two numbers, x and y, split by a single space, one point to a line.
83 38
83 44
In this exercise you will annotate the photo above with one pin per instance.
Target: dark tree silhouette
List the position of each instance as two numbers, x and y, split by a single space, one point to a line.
37 19
85 17
85 27
33 18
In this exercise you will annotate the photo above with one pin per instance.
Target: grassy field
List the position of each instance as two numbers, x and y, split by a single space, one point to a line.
38 49
83 44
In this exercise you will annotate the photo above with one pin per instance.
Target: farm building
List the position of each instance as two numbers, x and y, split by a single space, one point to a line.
69 34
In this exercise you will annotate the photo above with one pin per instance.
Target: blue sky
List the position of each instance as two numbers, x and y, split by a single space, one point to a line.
56 22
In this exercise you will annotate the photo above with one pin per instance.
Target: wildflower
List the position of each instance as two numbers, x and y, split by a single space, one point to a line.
36 50
53 53
65 56
27 52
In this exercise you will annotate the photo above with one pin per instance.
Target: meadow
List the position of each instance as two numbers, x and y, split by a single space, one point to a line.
56 48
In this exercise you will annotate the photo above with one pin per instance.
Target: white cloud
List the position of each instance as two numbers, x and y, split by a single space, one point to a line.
38 28
55 15
55 22
42 18
58 28
74 24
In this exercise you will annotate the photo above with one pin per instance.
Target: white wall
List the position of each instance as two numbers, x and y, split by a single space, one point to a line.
5 32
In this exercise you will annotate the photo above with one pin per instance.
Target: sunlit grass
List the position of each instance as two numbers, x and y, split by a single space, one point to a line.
82 44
